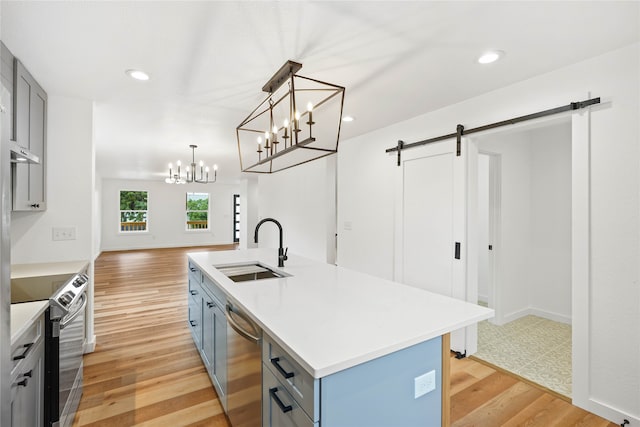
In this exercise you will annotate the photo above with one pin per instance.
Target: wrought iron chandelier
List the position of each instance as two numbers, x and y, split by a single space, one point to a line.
277 135
191 171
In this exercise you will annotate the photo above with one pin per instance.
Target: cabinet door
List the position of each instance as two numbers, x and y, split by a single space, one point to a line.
214 344
27 391
6 98
30 116
208 332
220 354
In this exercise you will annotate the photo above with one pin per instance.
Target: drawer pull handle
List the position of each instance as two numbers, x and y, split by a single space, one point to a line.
193 323
28 374
27 347
194 292
284 408
192 269
210 304
280 369
23 383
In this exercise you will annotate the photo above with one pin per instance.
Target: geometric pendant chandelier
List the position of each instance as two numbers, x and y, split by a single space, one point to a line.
297 122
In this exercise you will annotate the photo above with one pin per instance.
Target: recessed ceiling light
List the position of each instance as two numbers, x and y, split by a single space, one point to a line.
490 56
137 74
348 119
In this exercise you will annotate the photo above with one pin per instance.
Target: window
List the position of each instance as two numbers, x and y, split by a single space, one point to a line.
197 211
133 211
236 218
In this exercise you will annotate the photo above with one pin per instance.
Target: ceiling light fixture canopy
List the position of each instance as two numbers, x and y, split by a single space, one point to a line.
191 171
137 74
490 56
299 121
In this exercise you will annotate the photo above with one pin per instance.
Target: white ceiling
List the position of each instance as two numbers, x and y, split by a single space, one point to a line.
209 60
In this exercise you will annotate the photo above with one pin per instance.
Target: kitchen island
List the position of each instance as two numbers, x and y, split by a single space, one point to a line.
372 348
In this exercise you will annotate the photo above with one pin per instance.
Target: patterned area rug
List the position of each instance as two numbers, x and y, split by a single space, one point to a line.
535 348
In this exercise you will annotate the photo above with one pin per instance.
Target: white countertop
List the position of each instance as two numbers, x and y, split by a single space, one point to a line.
22 271
330 318
23 315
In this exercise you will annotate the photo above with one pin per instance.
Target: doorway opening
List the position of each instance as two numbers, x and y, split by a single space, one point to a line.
524 252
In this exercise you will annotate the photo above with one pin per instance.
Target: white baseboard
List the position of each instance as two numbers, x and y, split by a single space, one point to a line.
89 345
165 246
534 312
608 412
550 315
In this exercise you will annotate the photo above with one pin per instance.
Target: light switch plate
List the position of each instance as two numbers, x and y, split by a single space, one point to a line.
424 384
64 233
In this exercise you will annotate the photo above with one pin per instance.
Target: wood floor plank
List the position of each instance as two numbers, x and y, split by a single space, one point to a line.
146 371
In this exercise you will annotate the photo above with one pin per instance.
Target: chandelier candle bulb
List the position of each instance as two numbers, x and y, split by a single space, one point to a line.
310 122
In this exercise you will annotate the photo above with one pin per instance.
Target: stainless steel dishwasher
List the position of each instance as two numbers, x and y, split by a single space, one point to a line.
244 369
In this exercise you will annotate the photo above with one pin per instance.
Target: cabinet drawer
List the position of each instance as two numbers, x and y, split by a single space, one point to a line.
279 408
298 382
26 343
195 274
214 289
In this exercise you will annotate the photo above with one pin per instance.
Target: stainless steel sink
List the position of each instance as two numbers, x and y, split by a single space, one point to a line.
249 272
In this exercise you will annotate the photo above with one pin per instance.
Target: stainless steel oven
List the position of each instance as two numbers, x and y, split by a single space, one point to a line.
64 339
64 347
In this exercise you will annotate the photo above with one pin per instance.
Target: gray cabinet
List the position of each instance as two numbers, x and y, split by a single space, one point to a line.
6 97
208 326
195 308
27 377
290 396
380 392
214 343
30 131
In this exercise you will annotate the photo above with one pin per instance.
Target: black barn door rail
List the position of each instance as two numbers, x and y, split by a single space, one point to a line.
460 130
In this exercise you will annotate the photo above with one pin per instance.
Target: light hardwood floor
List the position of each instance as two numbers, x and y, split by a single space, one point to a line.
145 370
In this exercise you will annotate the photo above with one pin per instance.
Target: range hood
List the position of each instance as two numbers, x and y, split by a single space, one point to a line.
22 155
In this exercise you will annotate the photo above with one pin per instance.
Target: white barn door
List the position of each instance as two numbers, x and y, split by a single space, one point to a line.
430 220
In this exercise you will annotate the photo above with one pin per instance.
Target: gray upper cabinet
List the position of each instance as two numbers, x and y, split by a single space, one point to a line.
6 97
30 131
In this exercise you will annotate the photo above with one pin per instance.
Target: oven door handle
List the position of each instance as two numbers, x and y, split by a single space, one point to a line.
66 321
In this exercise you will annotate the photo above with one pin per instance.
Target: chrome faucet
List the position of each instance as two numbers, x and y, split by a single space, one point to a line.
282 253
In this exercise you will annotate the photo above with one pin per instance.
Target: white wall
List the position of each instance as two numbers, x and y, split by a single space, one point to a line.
248 212
302 199
512 296
550 263
69 189
167 217
533 275
483 228
609 380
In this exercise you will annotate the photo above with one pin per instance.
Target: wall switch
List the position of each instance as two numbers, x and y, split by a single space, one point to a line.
424 384
348 225
64 233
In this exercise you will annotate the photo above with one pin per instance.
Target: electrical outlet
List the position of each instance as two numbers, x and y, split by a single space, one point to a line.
424 384
64 233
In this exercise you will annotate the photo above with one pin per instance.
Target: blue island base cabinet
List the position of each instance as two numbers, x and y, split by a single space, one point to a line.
378 393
